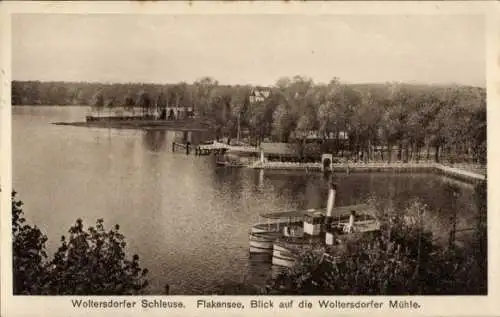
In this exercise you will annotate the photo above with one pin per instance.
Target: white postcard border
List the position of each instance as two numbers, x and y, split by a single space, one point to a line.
442 305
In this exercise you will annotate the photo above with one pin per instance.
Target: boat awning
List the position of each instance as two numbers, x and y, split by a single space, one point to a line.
337 211
360 209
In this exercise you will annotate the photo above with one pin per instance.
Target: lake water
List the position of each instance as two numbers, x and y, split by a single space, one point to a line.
187 219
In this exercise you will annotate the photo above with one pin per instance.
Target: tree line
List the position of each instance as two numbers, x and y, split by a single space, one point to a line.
358 121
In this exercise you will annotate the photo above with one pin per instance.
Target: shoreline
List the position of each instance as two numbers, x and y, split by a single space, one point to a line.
146 125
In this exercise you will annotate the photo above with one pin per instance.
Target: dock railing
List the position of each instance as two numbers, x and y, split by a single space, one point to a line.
447 170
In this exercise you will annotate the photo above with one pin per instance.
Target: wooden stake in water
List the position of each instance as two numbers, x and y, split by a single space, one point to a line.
238 134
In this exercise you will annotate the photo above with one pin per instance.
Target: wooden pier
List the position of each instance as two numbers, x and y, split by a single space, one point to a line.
221 148
207 149
347 168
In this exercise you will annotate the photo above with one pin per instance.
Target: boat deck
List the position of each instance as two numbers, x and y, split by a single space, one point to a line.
298 244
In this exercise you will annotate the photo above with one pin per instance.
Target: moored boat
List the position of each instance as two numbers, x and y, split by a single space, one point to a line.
220 163
287 250
287 225
276 221
263 235
283 256
262 242
287 234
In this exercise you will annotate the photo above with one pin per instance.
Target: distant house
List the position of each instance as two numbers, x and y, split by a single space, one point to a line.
314 135
259 95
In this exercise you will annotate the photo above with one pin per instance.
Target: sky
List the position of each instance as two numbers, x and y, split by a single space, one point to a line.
249 49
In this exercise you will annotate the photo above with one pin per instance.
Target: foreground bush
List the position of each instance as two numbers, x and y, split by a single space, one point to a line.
90 261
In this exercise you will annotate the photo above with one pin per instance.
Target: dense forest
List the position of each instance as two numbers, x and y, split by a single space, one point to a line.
415 121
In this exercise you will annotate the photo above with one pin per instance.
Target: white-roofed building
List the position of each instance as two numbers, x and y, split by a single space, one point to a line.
259 95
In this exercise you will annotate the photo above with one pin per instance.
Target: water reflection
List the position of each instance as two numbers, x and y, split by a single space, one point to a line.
261 179
155 140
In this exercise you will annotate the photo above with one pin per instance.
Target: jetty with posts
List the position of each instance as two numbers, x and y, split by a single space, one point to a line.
450 171
220 147
285 235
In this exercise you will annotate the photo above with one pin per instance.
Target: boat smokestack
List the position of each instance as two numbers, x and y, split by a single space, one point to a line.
330 204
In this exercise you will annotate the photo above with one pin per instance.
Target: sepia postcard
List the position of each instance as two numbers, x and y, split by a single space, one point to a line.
249 158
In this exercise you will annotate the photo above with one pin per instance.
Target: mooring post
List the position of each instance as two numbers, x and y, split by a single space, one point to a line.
173 146
167 289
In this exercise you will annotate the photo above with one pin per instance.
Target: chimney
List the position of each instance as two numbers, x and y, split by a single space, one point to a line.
330 204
